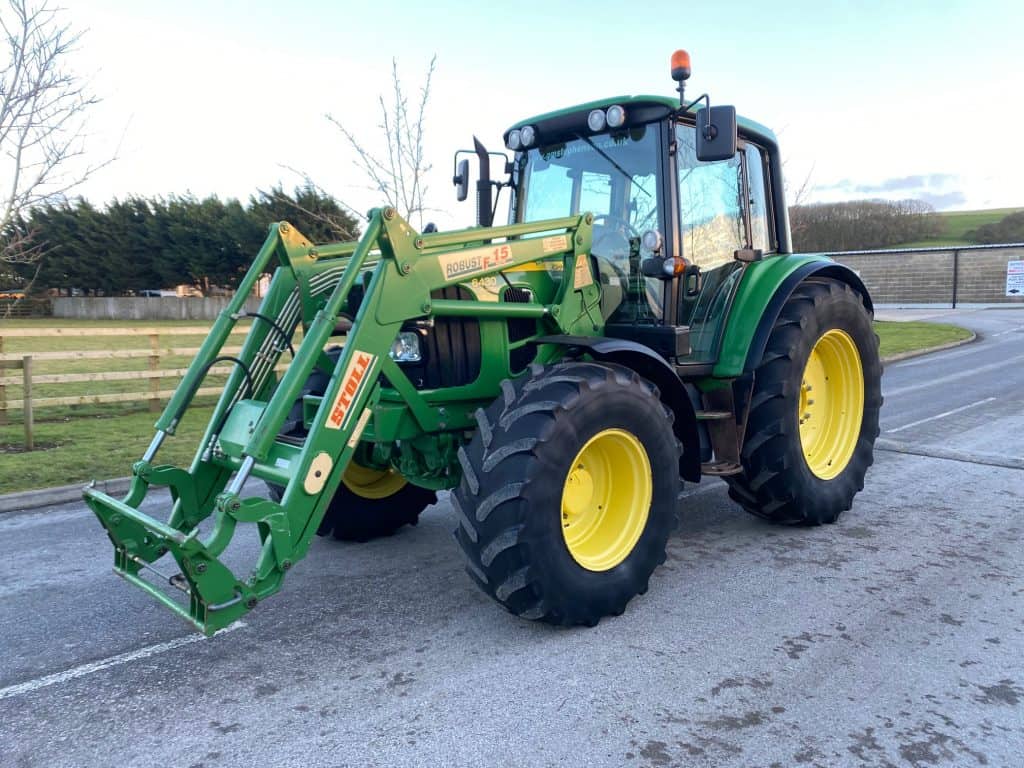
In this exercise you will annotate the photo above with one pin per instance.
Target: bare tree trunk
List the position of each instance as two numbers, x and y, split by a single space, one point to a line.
43 107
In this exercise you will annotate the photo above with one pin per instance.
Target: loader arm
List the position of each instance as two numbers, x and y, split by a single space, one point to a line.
398 270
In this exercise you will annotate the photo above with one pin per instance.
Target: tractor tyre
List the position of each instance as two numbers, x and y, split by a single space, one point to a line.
814 410
569 492
369 503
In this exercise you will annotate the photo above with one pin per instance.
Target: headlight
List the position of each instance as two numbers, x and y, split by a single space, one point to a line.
616 116
596 121
406 348
651 240
514 140
528 134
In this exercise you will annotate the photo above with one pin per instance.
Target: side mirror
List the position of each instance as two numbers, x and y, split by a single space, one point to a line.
716 133
461 180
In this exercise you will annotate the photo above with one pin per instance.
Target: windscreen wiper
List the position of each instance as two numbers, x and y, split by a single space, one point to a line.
615 165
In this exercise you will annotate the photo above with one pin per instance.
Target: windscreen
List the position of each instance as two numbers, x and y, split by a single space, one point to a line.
615 177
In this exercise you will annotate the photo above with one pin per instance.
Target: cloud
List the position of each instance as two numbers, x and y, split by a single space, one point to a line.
904 183
942 200
941 190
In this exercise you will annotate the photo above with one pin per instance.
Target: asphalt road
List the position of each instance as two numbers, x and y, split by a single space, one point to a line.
892 638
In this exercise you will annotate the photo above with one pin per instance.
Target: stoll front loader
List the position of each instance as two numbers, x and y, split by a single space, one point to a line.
640 322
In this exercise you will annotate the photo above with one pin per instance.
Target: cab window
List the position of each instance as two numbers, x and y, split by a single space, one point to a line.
710 204
760 237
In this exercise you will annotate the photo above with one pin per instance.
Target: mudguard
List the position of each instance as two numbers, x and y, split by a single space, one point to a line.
765 287
655 369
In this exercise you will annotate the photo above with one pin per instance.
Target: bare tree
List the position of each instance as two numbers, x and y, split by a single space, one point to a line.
338 222
400 173
43 107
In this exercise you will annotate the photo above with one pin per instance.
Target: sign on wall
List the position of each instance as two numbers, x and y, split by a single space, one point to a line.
1015 278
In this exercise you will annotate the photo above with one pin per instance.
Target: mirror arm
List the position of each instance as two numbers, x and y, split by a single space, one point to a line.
708 129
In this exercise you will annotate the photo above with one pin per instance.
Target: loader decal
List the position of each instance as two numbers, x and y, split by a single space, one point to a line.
472 261
352 383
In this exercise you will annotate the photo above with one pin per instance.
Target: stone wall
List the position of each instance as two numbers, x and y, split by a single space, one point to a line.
969 275
143 308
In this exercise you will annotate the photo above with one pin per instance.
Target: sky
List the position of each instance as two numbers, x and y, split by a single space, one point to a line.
869 99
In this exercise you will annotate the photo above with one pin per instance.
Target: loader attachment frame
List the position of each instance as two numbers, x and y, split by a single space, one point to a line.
399 271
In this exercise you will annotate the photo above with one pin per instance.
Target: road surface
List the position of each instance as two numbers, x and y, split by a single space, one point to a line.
892 638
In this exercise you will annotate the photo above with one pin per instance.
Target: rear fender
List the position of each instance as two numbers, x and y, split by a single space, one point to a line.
656 370
765 288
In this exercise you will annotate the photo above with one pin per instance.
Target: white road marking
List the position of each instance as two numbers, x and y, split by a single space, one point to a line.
968 373
706 486
942 415
1003 333
939 452
16 521
96 666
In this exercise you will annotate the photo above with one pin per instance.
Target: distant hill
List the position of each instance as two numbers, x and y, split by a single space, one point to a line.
956 225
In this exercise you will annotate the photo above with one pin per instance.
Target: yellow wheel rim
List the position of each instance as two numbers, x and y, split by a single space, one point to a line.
606 499
831 404
372 483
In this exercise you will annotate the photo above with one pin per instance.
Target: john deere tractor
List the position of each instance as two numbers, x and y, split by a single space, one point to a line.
640 322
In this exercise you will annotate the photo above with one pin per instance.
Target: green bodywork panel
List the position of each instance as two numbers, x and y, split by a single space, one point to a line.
370 406
758 285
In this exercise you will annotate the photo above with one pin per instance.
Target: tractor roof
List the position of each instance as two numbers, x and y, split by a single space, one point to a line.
642 108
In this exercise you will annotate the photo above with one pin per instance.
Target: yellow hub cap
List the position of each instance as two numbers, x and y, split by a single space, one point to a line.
831 404
372 483
606 499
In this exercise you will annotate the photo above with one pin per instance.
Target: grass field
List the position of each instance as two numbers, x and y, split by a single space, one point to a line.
956 225
97 343
79 443
896 337
76 450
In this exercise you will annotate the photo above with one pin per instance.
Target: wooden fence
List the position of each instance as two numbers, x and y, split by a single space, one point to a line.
25 308
154 394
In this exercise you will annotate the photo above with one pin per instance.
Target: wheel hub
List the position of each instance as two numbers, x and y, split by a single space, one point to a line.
831 404
372 483
579 492
606 499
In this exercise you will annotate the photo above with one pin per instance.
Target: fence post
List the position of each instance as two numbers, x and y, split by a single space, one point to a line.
26 390
3 389
956 274
154 365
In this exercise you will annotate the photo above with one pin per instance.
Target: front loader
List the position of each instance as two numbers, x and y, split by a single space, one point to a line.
640 322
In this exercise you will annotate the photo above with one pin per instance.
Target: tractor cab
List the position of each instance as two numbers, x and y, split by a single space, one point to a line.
681 200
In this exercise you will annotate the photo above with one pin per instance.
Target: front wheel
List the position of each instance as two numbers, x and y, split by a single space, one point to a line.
814 412
569 492
370 503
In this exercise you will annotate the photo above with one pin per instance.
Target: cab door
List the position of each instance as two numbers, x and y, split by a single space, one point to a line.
722 210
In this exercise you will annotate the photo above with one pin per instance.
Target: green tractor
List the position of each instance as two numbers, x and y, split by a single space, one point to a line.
640 322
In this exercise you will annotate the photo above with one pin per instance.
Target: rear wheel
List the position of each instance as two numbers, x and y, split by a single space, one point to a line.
814 411
569 492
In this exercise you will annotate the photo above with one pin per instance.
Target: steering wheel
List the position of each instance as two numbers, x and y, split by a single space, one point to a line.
620 224
613 244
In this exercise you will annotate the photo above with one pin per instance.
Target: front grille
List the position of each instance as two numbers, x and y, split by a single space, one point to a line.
520 328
